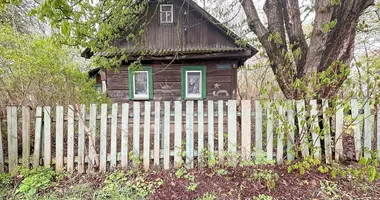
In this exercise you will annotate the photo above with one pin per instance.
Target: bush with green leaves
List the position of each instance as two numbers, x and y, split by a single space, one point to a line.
35 180
5 180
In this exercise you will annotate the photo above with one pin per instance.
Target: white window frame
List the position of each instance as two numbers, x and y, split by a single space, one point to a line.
140 96
172 12
194 96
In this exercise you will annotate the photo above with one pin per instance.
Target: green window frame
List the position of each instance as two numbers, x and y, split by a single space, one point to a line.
131 84
184 71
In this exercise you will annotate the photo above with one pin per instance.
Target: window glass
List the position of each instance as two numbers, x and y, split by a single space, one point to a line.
193 83
141 84
166 13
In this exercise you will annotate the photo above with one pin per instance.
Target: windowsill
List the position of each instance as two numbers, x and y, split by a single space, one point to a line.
193 98
140 98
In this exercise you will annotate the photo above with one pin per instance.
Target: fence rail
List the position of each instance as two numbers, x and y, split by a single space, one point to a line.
85 139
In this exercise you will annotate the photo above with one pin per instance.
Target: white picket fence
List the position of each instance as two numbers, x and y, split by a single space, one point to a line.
81 137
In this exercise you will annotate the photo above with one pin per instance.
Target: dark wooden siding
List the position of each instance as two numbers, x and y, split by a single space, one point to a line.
190 30
218 73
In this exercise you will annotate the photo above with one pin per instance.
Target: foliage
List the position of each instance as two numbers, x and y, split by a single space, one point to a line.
328 190
181 172
36 71
192 186
268 176
208 196
5 180
262 197
34 180
128 185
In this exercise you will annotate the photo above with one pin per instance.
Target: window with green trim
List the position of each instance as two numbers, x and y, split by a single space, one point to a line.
193 82
140 84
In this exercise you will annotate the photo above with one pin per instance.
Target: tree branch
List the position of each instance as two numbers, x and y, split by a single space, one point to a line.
273 11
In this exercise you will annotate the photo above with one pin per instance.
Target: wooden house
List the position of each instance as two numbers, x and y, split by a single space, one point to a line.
188 55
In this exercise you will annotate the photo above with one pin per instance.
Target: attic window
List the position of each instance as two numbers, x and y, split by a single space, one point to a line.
166 11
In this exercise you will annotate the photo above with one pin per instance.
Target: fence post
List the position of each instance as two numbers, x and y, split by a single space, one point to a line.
357 129
326 131
166 135
316 145
258 126
280 137
190 134
91 154
70 139
81 137
25 136
37 138
290 147
103 138
269 130
157 127
210 126
136 132
200 133
1 148
368 130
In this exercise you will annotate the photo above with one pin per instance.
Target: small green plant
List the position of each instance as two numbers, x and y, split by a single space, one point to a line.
268 176
221 172
207 196
181 172
328 190
262 197
192 186
34 180
5 179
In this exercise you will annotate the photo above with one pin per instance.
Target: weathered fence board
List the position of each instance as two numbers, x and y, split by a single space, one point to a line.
136 132
12 139
232 137
269 131
124 135
157 127
314 125
302 124
258 126
178 134
220 131
81 138
280 136
92 139
210 125
47 136
59 139
368 129
290 137
103 138
166 135
200 133
114 123
37 138
378 132
357 129
245 129
1 149
326 131
339 122
25 136
190 134
146 147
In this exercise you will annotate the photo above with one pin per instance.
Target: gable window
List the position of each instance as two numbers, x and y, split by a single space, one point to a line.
140 84
166 11
193 82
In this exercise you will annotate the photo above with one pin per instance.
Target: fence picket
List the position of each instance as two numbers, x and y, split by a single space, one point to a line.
220 131
1 149
177 134
47 136
136 132
232 138
357 129
37 138
190 134
339 120
103 138
314 124
59 139
25 136
368 130
70 139
92 139
81 138
200 133
280 137
290 137
115 108
258 126
146 157
246 129
326 131
157 127
301 116
12 139
124 135
210 126
269 130
166 135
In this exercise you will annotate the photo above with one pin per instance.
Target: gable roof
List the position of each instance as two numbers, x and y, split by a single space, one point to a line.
244 52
